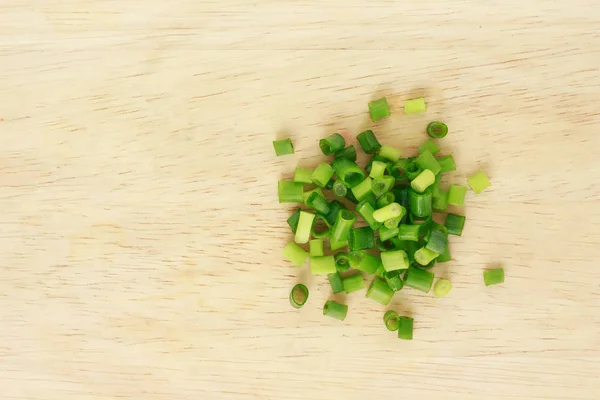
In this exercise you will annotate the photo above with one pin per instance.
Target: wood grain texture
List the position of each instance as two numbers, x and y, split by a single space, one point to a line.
141 236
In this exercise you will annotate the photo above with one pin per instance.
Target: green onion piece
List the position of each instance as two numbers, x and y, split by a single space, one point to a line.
456 195
390 319
377 169
420 203
423 181
322 265
322 174
440 201
455 224
335 281
398 170
415 106
424 255
329 184
353 283
478 182
294 254
341 262
305 223
366 210
351 197
384 245
302 175
387 233
349 153
405 328
382 185
376 157
442 288
394 260
380 292
394 280
393 223
401 195
307 194
437 129
412 170
446 163
430 146
393 210
426 160
321 228
493 276
289 192
408 232
318 203
437 241
335 310
364 261
390 153
445 256
342 226
368 142
339 189
316 248
334 209
336 245
361 238
283 147
380 272
385 199
332 143
298 295
293 219
372 200
379 109
426 267
419 279
348 172
363 189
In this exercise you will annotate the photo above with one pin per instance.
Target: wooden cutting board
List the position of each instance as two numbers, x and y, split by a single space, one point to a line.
141 235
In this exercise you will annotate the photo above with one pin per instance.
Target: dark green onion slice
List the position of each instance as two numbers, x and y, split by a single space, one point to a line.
353 283
298 295
348 172
368 142
318 203
335 310
332 144
437 130
349 153
361 238
335 281
366 210
405 328
322 174
419 279
380 292
341 262
339 189
455 224
391 321
364 261
394 280
320 228
292 221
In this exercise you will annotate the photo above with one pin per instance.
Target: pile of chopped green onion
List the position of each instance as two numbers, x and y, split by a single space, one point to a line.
378 220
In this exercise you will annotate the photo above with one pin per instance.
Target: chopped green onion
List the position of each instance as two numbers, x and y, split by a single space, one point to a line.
380 292
364 261
419 279
322 265
283 147
380 272
339 189
316 248
387 233
437 129
377 169
394 279
379 109
405 328
305 223
361 238
336 245
393 210
363 189
478 182
382 185
307 194
493 276
294 254
341 262
401 195
390 153
351 197
289 192
318 203
371 199
349 153
394 260
442 288
446 163
332 143
437 241
368 142
440 201
424 255
423 181
348 171
455 224
408 232
322 174
335 281
366 210
384 245
302 175
393 223
415 106
430 146
420 203
353 283
445 256
390 319
329 184
385 199
293 219
456 195
412 170
335 310
321 228
342 226
334 209
298 295
426 160
398 170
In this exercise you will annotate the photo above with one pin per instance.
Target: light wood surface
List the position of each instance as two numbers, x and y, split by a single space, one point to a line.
141 235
